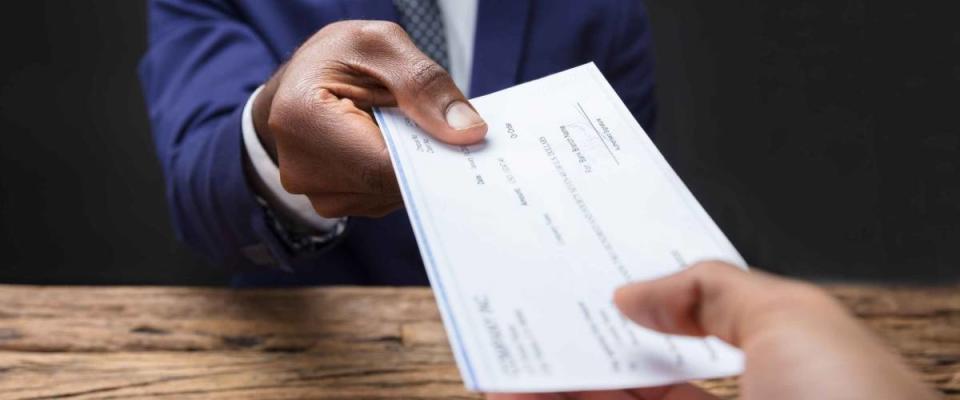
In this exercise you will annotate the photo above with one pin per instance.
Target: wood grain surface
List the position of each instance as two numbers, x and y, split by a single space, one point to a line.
341 342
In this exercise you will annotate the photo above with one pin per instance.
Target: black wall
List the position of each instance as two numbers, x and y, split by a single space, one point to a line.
81 195
819 134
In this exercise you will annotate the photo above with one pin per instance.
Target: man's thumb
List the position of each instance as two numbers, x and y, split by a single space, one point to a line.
430 98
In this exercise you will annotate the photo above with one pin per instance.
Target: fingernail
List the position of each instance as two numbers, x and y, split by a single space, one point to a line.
460 116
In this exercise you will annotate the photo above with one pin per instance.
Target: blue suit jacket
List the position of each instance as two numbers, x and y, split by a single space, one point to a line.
206 57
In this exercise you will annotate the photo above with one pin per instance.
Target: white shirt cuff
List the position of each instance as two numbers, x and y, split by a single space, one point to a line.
295 205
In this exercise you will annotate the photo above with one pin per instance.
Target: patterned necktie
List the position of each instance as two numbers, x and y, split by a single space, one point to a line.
423 22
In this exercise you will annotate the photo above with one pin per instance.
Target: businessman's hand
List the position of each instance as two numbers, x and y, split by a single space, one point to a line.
313 115
799 343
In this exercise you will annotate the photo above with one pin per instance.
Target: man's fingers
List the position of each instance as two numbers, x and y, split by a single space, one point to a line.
422 88
331 135
705 299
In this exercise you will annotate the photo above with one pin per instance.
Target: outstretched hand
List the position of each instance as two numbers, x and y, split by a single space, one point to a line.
313 115
799 343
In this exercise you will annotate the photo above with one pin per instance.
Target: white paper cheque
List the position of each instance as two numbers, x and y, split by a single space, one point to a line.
526 235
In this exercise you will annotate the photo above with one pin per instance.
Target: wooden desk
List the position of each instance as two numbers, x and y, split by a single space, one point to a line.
121 342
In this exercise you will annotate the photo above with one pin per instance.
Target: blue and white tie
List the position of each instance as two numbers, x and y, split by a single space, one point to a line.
424 23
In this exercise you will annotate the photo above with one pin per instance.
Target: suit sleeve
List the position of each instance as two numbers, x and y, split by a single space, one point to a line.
630 63
201 65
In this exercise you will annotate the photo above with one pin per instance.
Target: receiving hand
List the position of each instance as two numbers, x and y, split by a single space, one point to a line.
799 343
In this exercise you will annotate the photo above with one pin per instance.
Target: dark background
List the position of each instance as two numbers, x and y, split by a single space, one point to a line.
820 134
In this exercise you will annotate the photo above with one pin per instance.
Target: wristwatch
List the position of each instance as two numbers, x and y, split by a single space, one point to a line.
299 238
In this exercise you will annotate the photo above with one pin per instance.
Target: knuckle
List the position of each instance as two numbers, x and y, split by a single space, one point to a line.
377 31
287 107
371 179
426 73
377 173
